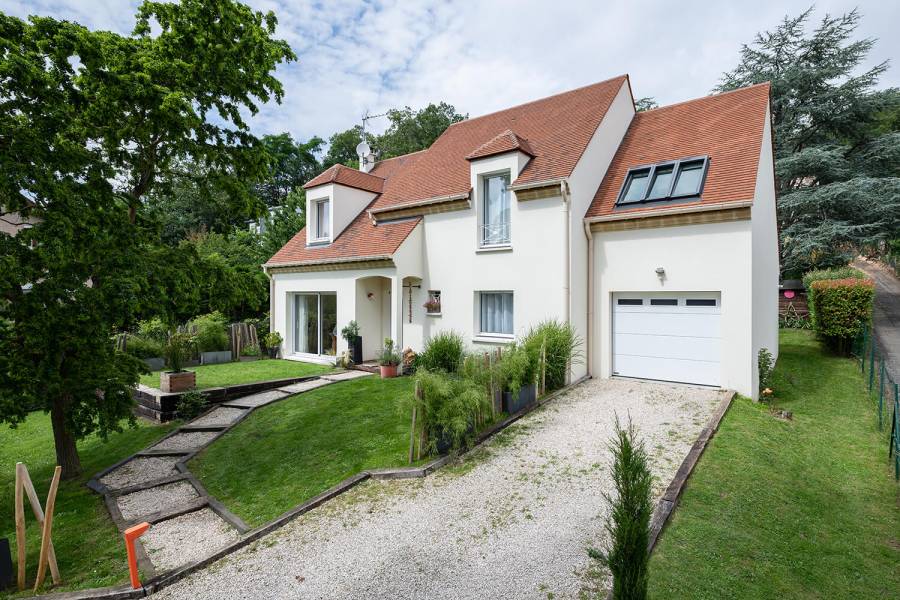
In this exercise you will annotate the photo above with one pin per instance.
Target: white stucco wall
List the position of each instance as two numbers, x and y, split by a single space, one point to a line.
707 258
583 184
345 204
765 253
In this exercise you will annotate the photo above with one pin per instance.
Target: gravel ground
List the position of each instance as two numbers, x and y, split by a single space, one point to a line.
304 386
186 441
259 399
163 497
186 539
140 470
220 416
511 521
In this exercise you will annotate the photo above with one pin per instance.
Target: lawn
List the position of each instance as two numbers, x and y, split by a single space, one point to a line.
89 549
806 508
288 452
245 372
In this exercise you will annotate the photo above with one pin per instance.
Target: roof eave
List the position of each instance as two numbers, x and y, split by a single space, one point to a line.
672 210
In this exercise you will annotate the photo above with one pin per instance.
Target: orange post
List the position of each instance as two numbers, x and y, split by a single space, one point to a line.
131 534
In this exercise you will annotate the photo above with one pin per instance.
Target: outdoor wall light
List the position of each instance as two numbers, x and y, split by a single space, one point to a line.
661 273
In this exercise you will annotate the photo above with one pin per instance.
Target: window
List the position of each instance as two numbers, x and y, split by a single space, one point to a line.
664 181
664 302
433 305
495 211
315 324
700 302
322 232
496 313
630 302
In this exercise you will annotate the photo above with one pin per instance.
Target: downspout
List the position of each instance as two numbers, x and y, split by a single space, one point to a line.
567 262
590 299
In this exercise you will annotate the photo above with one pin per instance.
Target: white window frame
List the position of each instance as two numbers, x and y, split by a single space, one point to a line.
322 219
484 240
480 333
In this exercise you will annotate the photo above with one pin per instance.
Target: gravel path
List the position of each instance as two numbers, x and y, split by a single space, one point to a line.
186 441
139 470
220 416
511 521
184 539
151 500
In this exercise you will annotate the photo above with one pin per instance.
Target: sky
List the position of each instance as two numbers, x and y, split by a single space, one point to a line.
358 57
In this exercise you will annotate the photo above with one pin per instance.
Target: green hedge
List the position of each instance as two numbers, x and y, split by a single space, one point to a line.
826 275
212 332
843 306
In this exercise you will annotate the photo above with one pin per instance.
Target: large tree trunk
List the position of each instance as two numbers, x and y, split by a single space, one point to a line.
66 451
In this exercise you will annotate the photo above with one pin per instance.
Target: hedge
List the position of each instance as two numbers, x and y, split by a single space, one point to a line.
822 275
843 306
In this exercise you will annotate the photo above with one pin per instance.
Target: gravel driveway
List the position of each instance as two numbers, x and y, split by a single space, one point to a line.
511 521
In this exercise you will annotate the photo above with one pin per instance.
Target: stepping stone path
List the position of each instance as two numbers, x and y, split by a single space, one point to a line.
155 485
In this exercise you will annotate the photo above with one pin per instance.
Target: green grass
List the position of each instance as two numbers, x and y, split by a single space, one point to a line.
288 452
806 508
244 372
89 550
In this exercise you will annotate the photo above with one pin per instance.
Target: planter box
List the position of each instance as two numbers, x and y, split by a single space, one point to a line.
356 351
155 364
215 358
273 352
526 397
177 381
6 568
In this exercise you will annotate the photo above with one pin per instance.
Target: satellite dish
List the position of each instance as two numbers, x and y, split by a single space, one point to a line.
362 149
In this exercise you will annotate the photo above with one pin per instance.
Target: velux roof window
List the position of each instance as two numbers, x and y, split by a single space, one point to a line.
664 181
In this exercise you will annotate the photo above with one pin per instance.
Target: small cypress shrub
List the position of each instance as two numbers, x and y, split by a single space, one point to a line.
191 404
443 351
628 525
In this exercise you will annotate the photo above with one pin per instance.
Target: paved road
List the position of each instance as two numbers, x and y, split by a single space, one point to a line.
512 522
886 312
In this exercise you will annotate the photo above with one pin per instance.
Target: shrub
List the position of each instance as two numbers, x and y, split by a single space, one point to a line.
142 347
155 330
561 350
389 355
443 351
450 410
178 349
765 364
628 525
191 404
822 275
350 332
843 307
518 367
250 350
211 332
272 339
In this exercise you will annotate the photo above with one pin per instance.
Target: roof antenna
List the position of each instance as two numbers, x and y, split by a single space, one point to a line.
366 157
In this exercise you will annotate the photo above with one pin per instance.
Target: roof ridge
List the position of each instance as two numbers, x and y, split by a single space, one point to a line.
536 100
706 97
402 155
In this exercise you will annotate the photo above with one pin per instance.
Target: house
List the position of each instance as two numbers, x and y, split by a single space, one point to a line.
652 233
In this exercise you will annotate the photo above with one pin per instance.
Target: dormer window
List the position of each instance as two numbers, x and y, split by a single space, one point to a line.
321 220
671 180
495 210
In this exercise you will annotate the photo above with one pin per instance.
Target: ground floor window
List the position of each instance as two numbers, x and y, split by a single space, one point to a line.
315 323
496 313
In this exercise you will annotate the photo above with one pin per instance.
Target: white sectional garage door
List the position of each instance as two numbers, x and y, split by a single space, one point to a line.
670 337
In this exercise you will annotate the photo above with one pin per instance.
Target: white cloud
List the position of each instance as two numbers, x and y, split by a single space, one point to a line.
484 56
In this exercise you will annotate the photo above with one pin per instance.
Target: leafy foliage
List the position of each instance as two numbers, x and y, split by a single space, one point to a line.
837 148
291 164
518 367
389 356
143 347
211 333
443 351
765 366
191 404
628 525
823 275
178 349
842 308
561 346
413 130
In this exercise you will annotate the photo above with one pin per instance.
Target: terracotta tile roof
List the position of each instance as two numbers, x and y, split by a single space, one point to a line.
503 142
350 177
360 239
728 127
557 128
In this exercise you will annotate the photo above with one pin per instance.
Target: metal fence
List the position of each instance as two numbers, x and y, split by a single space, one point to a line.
884 390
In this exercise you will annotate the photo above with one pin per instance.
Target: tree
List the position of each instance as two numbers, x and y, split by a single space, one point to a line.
292 164
89 123
411 131
342 148
283 224
836 141
645 103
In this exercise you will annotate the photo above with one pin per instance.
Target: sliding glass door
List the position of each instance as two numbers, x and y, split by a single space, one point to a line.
315 323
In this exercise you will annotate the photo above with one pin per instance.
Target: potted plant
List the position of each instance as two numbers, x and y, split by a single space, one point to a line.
211 335
389 359
354 342
518 373
433 306
273 342
178 349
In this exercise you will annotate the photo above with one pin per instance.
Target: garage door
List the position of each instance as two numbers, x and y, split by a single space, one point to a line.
670 337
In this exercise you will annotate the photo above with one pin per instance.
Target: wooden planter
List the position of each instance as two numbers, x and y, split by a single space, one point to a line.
177 381
388 371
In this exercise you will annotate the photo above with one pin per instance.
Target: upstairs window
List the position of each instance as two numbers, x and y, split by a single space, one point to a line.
322 225
495 211
664 181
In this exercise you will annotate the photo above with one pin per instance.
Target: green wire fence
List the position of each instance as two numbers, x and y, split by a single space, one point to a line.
884 390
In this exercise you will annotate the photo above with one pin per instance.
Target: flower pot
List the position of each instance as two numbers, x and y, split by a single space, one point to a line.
273 352
177 381
513 403
215 358
388 371
356 350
